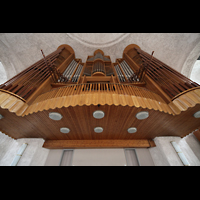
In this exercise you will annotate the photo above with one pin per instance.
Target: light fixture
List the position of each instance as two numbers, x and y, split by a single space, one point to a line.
180 153
132 130
98 114
55 116
19 154
98 129
197 114
1 116
64 130
142 115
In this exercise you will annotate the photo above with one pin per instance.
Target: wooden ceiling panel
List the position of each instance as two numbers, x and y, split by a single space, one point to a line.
81 123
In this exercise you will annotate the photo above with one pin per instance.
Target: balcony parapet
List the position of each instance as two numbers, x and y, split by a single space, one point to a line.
98 93
12 102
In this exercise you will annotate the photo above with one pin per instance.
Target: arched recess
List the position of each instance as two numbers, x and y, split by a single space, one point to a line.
190 61
3 75
195 73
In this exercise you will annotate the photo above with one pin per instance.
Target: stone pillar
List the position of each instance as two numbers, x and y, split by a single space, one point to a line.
165 155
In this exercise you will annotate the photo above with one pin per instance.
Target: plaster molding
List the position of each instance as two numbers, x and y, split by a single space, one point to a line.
98 40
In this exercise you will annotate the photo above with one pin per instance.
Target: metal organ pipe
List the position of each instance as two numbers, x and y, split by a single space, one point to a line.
127 70
131 72
98 67
128 67
77 73
98 55
119 74
64 73
70 69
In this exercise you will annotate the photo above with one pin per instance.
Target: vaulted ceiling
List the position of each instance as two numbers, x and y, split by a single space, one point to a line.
19 50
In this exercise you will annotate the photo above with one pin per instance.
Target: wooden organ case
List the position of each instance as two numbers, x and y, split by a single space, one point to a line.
135 85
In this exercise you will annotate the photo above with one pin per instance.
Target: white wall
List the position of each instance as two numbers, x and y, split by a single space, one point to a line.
99 157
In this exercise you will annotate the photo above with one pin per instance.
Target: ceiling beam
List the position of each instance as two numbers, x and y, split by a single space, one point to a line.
66 144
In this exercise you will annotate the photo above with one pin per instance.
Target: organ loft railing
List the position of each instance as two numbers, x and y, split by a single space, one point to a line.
114 88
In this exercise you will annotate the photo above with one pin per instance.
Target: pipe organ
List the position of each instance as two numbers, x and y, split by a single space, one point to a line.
98 67
70 70
119 73
126 68
136 92
77 73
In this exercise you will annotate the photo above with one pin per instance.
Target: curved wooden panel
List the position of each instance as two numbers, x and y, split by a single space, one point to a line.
67 47
12 103
99 93
130 47
186 100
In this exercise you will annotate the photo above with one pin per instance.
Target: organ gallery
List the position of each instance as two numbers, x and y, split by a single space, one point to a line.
99 103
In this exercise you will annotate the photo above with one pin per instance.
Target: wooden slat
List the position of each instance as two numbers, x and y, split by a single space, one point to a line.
32 66
116 94
113 88
80 121
170 70
168 76
65 144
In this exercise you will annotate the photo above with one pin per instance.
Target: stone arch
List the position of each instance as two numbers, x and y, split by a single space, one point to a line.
8 60
3 74
190 60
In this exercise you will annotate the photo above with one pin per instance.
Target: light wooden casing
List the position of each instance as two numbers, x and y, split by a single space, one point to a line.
170 98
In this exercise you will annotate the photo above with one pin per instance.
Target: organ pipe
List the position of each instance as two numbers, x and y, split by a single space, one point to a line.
77 73
98 67
69 70
119 74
